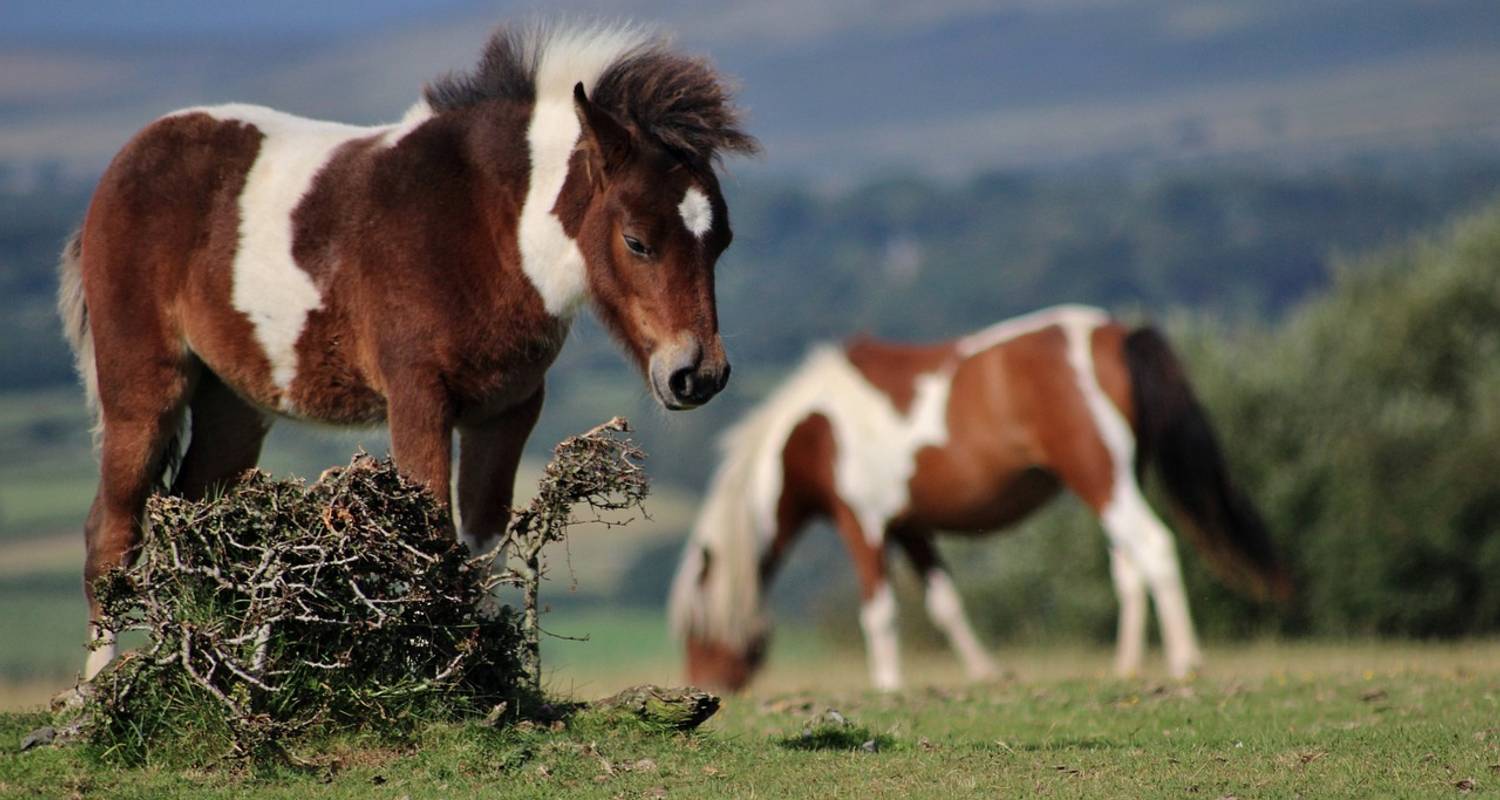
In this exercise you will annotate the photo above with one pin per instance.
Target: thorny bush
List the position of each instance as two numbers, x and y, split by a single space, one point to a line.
277 612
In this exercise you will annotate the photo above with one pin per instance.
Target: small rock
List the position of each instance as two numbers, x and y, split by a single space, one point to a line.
870 746
39 737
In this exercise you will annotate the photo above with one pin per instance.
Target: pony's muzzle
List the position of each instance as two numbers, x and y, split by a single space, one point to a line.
682 378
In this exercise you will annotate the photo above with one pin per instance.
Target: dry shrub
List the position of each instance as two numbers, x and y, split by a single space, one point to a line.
280 612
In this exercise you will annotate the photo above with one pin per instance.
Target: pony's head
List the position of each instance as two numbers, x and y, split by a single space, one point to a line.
718 665
651 234
622 141
716 612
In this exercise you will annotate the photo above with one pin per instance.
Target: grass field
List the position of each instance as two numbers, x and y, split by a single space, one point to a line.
1364 720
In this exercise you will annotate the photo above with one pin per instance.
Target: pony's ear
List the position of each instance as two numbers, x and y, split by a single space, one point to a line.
604 136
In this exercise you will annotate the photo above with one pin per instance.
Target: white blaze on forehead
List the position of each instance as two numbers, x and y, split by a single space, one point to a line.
697 213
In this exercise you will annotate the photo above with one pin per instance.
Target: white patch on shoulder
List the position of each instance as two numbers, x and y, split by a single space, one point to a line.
697 213
551 260
269 288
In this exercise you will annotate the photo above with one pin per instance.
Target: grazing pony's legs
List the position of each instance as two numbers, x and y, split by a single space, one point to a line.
1130 588
1097 468
488 454
1135 530
944 606
877 611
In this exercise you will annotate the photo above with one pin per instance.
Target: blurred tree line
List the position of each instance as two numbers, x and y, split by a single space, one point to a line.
1358 397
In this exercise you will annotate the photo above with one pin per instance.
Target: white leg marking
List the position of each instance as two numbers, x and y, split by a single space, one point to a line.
697 213
946 609
1136 530
878 619
1130 588
102 654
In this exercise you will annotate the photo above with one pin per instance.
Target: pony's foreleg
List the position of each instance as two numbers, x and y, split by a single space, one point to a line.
1136 530
420 417
944 606
142 412
488 454
1130 588
877 611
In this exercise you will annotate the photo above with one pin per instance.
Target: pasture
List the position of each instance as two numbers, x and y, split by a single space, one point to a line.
1349 720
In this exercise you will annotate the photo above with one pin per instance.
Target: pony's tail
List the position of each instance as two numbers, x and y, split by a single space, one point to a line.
74 311
1173 432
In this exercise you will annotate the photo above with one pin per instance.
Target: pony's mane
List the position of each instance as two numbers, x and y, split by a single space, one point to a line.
737 519
680 101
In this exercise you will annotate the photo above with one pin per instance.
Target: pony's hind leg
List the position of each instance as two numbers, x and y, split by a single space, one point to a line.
141 403
944 606
1130 588
227 433
1145 540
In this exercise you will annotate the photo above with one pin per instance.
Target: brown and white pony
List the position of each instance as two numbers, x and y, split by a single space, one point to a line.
238 263
893 442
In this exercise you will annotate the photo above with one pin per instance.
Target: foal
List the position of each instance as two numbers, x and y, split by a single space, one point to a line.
893 442
238 263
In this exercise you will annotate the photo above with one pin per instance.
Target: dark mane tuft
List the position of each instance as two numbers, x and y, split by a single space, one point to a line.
506 71
680 101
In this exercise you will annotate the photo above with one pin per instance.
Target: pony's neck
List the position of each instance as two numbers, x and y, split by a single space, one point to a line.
557 196
539 193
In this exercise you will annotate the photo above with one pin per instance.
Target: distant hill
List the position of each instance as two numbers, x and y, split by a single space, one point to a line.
835 89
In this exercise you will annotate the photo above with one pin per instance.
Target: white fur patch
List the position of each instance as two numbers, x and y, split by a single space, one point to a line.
697 213
1005 330
104 651
878 619
565 57
946 609
269 288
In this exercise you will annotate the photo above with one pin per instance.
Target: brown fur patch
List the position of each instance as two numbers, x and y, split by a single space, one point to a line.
894 368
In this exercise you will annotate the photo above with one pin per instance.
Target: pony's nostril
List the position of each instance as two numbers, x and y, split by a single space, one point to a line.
681 383
723 378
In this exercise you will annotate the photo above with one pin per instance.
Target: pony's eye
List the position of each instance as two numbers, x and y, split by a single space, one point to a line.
636 246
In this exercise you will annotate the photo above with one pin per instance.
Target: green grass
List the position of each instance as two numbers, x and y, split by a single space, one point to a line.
1299 721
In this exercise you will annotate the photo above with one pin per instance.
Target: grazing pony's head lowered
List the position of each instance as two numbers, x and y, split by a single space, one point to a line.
623 205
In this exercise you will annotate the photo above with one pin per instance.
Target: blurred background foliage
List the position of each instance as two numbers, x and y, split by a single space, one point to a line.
1345 338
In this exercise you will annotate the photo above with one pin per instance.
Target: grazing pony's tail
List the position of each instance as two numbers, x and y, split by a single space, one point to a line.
75 318
1173 432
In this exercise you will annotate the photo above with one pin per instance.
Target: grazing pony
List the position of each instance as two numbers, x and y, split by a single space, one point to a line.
893 442
238 263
